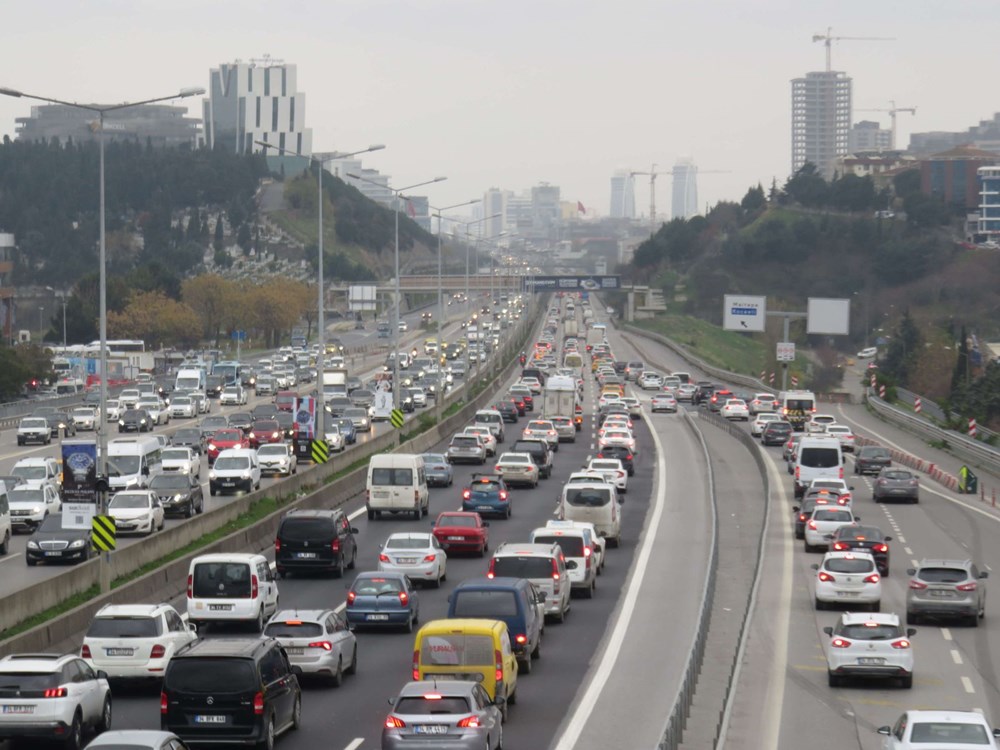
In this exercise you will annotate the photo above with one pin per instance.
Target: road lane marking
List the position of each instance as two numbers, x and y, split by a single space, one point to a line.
946 634
902 540
907 550
956 656
10 557
967 684
915 563
355 743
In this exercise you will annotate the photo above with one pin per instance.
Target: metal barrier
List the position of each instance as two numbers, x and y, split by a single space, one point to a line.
935 410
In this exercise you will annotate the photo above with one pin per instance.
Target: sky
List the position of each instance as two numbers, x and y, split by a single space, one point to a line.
517 93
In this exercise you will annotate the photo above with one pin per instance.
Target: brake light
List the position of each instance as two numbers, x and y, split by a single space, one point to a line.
416 665
254 587
258 704
351 596
901 643
416 497
840 643
85 652
587 551
812 525
521 638
163 702
470 721
325 645
873 578
383 558
841 546
190 587
404 598
158 652
555 570
917 585
826 577
881 548
277 546
466 494
497 469
840 473
503 495
970 586
498 669
798 470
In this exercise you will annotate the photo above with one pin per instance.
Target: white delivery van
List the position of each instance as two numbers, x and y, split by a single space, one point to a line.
231 587
397 484
132 461
596 503
817 458
190 379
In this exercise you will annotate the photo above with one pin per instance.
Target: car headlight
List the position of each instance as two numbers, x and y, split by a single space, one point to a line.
77 544
245 475
32 545
250 435
142 421
211 475
37 509
121 422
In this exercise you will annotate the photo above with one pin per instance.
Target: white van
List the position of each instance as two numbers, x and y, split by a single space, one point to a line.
596 503
132 461
231 587
817 458
397 484
577 545
492 419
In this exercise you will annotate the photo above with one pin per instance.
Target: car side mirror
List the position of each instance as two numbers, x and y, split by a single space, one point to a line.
354 530
884 730
814 566
996 732
911 571
887 539
796 508
910 632
857 518
500 700
486 523
828 630
101 674
192 627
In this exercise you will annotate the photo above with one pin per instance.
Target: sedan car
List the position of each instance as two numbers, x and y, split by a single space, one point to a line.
848 578
414 554
50 542
179 494
761 420
686 392
735 408
318 642
871 459
378 600
487 494
617 437
823 522
518 468
868 539
763 403
869 646
437 470
934 730
136 512
844 434
183 460
359 418
663 402
946 588
458 531
444 713
896 484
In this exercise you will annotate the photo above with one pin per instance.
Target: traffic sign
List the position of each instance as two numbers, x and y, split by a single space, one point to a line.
786 351
320 451
396 418
103 533
239 335
744 313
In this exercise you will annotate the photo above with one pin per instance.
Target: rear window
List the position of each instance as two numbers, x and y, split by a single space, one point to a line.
871 632
523 567
16 684
942 575
293 630
125 627
795 404
210 675
819 458
393 477
588 497
437 705
375 586
221 580
901 475
572 546
456 650
488 604
874 453
306 529
452 520
947 733
832 515
848 565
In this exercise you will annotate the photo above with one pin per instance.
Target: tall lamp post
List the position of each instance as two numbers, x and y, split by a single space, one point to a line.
102 436
468 246
320 284
396 193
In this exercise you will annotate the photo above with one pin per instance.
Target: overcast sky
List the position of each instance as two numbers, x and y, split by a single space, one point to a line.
510 94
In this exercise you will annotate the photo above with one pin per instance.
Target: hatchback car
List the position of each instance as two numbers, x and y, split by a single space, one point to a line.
896 484
915 730
437 470
466 449
735 408
776 433
179 494
517 468
454 713
136 512
848 579
487 494
871 459
869 646
761 420
946 588
380 600
277 459
318 642
414 554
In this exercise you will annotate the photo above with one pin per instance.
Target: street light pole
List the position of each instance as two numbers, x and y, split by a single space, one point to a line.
320 282
102 434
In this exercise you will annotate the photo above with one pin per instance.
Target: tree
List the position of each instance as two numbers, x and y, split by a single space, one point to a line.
754 200
807 187
853 193
906 183
214 299
961 374
905 347
243 238
20 364
157 320
925 211
217 242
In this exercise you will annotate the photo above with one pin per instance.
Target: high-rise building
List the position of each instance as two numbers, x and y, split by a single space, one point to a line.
868 135
989 202
684 198
157 124
622 195
545 210
495 211
821 120
256 101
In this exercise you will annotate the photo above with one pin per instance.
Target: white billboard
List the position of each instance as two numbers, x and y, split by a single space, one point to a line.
741 312
829 316
361 298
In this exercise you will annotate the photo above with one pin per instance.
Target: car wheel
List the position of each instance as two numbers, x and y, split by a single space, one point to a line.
105 722
418 513
267 743
190 510
353 669
354 559
371 515
337 678
912 618
74 738
524 667
409 625
259 622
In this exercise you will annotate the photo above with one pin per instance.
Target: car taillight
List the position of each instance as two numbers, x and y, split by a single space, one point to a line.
503 495
163 702
826 577
498 666
882 483
430 558
970 586
325 645
841 546
404 598
416 666
335 546
254 587
840 643
85 652
917 585
258 704
158 652
190 587
497 469
873 578
469 721
383 558
901 643
55 693
277 545
416 497
881 547
351 596
812 525
521 638
466 494
555 570
840 473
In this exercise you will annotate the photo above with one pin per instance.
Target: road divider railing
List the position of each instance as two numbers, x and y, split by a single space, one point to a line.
311 488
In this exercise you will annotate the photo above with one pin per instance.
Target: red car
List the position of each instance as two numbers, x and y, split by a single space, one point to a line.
264 431
285 400
461 531
224 439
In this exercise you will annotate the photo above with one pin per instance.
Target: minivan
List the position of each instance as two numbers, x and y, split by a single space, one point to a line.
397 484
817 457
493 419
541 563
515 601
133 461
315 540
231 587
593 502
579 545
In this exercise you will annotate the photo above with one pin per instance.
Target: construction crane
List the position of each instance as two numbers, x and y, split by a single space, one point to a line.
652 195
893 111
828 40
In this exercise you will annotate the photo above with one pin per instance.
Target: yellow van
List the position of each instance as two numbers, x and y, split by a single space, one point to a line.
464 649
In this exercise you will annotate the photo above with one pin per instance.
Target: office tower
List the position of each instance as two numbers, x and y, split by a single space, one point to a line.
622 195
821 120
684 199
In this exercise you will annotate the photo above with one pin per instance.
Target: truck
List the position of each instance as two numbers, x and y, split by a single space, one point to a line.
334 378
559 397
191 379
595 336
570 329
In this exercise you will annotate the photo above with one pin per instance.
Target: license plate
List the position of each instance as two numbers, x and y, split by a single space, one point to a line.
119 651
294 650
53 554
484 507
381 495
430 729
407 560
847 593
18 709
228 484
941 594
377 617
305 555
220 607
456 539
209 719
871 660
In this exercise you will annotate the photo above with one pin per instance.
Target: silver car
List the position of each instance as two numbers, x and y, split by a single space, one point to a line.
454 713
417 555
946 588
317 641
466 449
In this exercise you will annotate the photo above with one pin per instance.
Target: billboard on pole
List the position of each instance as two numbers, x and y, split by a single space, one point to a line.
361 298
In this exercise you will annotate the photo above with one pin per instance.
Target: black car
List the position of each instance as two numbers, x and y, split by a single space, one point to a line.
776 433
60 421
189 437
180 494
213 386
704 392
539 452
135 420
622 453
802 514
871 459
315 540
50 542
230 690
336 405
241 420
211 425
868 539
248 377
286 423
507 409
718 399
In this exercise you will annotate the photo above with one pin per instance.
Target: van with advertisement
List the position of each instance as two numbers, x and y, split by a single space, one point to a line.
133 461
797 407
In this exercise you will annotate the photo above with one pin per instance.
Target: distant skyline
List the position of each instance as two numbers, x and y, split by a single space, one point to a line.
545 91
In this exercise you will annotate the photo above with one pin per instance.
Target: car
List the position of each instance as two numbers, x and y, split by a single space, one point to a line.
459 531
135 420
135 641
319 540
517 468
137 739
179 494
136 511
932 730
488 438
946 588
650 381
318 643
234 470
844 434
763 403
532 383
761 420
541 429
359 418
686 392
460 712
233 395
438 471
403 327
869 646
29 506
36 471
611 470
277 459
546 567
183 460
896 484
335 439
34 430
818 423
347 429
487 494
776 433
210 425
868 539
735 408
50 542
717 397
182 407
157 411
868 352
226 439
415 554
265 431
633 405
848 578
189 437
84 417
241 420
52 697
623 438
466 449
381 600
871 459
663 402
823 522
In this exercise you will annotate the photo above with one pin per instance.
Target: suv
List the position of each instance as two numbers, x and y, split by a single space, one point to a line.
48 696
542 563
540 454
946 588
135 640
239 690
315 540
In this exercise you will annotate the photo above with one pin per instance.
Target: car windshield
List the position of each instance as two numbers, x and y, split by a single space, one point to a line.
272 450
187 435
943 575
176 454
125 627
871 631
849 565
228 436
232 463
210 675
385 477
588 497
293 629
456 520
43 423
947 733
128 500
408 542
171 481
420 705
29 472
25 495
181 401
486 603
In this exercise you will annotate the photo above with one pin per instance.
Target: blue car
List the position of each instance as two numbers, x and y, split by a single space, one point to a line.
347 430
437 470
487 494
382 600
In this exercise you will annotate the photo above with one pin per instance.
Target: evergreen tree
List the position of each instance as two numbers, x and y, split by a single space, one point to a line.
217 243
754 199
960 376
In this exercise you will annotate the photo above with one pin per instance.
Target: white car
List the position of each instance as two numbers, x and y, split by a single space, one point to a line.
735 408
277 459
130 641
113 410
541 429
686 391
819 422
136 512
78 699
533 384
844 434
34 430
488 438
762 403
650 381
617 437
417 555
634 407
233 395
235 470
936 730
760 421
609 399
84 417
155 408
612 470
824 521
128 398
335 440
30 505
848 578
182 461
867 646
518 468
183 407
403 327
36 472
868 352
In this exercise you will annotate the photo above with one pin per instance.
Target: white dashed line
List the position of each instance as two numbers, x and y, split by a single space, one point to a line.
907 550
967 684
901 539
946 634
355 743
915 563
956 656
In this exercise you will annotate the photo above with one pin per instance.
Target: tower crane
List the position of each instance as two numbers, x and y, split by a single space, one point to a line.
828 39
893 111
653 174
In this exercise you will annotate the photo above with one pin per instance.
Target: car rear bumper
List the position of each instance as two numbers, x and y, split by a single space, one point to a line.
944 608
886 671
49 729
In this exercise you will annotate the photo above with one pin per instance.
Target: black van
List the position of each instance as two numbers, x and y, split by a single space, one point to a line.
230 691
534 372
315 540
